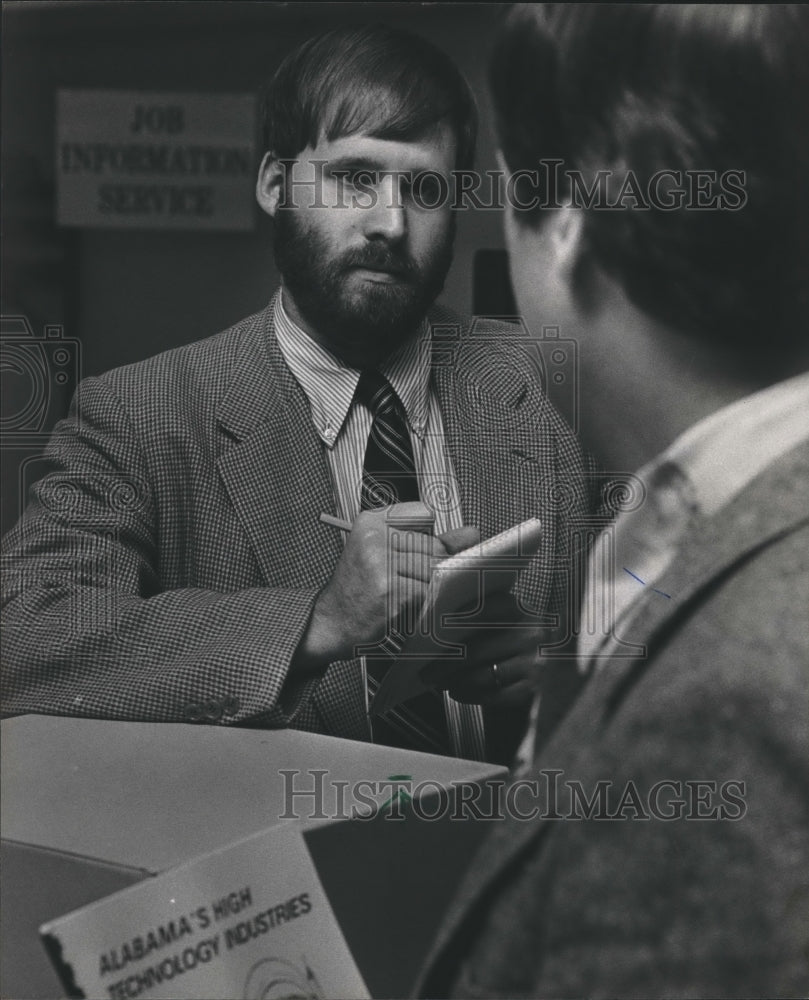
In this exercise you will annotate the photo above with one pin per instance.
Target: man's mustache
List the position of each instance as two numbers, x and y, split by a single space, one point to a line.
381 257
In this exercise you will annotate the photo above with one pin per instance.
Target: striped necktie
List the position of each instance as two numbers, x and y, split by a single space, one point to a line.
389 476
388 471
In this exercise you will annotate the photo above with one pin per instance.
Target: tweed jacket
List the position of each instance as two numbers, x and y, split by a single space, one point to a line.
716 902
167 567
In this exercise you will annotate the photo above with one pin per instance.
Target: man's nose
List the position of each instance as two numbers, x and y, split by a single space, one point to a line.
387 216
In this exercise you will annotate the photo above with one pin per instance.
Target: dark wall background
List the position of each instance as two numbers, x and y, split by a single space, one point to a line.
128 294
123 294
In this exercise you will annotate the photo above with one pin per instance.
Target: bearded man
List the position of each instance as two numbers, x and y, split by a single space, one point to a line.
175 566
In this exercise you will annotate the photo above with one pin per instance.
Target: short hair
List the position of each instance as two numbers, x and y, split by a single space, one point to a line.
387 83
653 87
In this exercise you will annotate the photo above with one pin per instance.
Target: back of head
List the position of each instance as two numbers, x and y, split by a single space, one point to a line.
707 108
375 80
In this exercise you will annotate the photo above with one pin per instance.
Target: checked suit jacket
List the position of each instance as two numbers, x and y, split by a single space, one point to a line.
167 566
705 899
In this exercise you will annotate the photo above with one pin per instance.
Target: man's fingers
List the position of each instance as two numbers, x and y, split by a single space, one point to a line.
506 684
502 643
414 555
458 539
514 696
410 516
481 680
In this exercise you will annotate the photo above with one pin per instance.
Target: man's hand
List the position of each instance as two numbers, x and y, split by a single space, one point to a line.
380 580
458 539
512 646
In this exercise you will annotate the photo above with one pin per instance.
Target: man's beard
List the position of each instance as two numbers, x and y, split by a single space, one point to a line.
362 326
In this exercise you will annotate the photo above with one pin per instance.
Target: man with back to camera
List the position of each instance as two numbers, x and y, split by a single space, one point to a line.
662 850
175 566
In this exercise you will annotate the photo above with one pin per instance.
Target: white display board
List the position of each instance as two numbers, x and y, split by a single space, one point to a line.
152 160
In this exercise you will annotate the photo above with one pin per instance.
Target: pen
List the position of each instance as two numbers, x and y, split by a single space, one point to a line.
335 522
422 524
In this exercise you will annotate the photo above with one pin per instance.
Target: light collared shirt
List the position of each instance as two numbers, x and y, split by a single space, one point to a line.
699 474
343 428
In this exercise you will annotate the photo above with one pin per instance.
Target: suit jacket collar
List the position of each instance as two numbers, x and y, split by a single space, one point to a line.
501 434
773 506
277 497
262 384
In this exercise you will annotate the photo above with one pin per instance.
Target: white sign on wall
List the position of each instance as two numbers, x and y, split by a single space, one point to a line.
149 160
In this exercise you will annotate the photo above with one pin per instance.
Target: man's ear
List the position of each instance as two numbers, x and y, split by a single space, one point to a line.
270 184
561 231
567 242
576 267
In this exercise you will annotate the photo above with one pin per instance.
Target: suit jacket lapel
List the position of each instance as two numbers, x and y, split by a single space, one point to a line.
502 450
279 492
277 497
772 507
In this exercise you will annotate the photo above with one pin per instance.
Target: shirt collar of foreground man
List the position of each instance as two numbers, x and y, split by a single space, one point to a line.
695 478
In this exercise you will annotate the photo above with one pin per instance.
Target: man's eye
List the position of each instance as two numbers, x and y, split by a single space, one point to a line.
429 189
359 178
425 190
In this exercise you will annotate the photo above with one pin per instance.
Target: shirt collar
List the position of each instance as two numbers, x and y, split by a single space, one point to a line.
408 371
329 384
726 450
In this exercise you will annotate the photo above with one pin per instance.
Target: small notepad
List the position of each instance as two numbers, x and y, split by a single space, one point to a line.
458 584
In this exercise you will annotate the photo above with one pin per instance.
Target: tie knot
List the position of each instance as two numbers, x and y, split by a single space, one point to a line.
375 391
388 472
